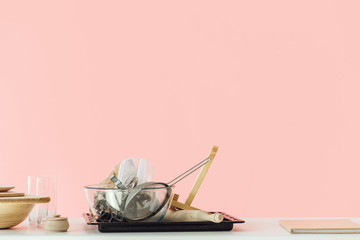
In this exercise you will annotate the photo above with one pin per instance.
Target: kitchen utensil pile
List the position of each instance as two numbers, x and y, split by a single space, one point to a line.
137 199
130 194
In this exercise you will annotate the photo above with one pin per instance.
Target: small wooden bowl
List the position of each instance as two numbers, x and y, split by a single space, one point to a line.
5 188
57 224
14 210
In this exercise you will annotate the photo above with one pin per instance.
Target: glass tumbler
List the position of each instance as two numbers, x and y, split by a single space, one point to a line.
43 186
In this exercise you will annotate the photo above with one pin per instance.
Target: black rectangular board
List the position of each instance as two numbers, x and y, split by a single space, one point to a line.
226 225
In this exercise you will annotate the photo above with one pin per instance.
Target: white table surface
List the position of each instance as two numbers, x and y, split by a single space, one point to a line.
253 228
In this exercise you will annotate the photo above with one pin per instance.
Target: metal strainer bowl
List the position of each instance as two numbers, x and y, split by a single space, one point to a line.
113 205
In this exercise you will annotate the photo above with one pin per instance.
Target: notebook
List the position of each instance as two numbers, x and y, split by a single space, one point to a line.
320 226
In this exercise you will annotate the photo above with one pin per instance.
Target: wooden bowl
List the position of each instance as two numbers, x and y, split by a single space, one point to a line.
14 210
5 188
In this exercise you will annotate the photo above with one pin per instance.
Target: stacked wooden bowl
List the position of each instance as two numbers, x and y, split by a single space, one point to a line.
15 206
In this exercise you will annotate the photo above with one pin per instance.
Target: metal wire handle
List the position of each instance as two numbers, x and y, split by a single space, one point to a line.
189 171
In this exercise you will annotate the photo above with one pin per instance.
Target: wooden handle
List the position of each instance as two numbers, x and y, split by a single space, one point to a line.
201 176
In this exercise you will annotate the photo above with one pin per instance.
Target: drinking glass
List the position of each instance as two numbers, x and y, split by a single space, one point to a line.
43 186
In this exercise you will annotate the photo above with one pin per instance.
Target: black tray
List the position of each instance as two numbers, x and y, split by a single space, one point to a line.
225 225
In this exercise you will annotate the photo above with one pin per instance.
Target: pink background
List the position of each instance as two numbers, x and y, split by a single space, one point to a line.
275 84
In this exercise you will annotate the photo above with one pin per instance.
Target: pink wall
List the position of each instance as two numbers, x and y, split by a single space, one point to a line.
86 84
